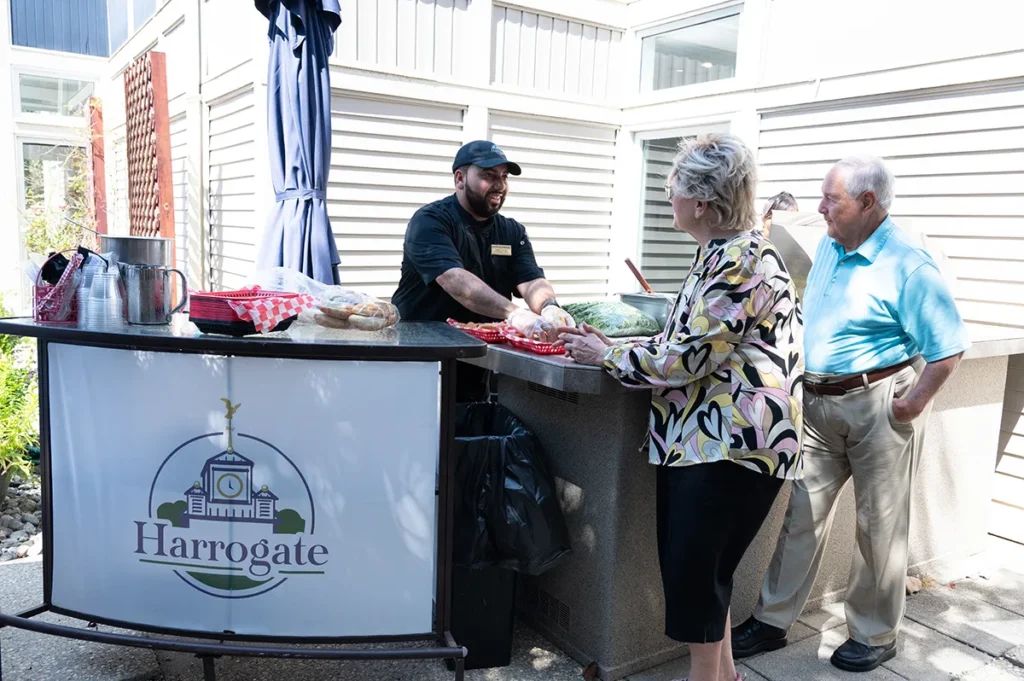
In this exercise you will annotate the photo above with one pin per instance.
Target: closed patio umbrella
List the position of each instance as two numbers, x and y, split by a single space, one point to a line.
298 233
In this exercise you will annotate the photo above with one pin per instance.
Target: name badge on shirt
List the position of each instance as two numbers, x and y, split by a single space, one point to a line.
498 249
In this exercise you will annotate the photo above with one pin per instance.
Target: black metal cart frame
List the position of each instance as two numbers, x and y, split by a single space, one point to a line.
207 645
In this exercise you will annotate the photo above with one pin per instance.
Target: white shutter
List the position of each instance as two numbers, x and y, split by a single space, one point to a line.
563 198
665 254
541 52
231 190
427 36
389 159
117 206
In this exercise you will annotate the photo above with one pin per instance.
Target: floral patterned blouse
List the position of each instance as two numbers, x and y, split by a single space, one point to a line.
727 371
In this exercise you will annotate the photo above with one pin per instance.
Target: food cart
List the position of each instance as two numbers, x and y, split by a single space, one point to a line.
250 490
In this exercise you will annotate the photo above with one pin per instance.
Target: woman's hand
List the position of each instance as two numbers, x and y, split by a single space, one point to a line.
584 345
582 329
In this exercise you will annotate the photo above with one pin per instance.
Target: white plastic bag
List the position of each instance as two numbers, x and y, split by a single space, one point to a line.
288 280
340 308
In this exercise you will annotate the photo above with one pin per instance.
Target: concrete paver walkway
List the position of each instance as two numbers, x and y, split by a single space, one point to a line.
972 630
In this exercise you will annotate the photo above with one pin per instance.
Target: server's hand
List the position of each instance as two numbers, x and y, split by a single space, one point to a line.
532 325
557 317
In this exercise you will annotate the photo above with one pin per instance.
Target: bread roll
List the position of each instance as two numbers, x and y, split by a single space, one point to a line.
339 311
331 322
370 310
367 323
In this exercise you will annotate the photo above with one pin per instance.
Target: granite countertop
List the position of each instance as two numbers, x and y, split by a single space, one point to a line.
406 341
559 373
550 371
994 341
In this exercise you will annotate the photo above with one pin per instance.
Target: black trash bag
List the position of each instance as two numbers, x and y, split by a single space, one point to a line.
506 508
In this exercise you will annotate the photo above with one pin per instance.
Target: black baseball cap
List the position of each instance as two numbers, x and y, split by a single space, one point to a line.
484 154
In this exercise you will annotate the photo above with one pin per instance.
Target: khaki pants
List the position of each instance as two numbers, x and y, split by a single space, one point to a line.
851 435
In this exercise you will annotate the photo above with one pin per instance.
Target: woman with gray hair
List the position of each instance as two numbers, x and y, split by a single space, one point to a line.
726 380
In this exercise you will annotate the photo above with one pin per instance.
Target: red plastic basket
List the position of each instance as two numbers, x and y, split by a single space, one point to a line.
57 303
489 335
213 306
539 347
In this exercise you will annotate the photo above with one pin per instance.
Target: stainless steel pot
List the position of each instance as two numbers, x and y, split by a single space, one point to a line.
148 292
656 305
137 250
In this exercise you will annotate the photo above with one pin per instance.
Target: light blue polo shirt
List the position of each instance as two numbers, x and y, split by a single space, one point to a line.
877 306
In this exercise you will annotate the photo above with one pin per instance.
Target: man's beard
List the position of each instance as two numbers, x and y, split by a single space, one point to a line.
480 205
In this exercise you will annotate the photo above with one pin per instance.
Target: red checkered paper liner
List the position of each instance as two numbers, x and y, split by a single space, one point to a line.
524 343
266 313
492 335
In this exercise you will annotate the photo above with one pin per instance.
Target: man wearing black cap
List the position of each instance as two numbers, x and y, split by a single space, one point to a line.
464 261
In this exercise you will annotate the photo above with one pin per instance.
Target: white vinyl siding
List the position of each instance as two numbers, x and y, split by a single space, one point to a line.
563 198
541 52
425 36
175 44
221 23
179 181
960 180
231 194
389 158
665 253
117 186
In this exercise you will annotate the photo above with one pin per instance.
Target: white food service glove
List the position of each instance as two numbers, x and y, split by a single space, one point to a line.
531 325
558 317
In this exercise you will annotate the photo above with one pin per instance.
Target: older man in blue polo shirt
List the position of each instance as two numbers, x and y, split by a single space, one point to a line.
881 337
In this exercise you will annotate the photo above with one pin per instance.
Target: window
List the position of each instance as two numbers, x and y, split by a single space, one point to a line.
142 11
127 17
56 185
695 53
119 23
52 95
665 254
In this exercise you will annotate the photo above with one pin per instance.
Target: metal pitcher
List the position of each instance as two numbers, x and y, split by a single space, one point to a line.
138 250
148 292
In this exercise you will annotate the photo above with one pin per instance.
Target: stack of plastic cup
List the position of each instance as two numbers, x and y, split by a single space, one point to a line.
104 309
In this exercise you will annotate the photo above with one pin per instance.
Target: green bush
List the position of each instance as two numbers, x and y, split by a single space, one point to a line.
19 406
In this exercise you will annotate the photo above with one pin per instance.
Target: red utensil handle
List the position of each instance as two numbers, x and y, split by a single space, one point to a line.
639 277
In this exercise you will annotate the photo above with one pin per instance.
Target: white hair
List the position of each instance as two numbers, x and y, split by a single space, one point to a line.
868 174
721 170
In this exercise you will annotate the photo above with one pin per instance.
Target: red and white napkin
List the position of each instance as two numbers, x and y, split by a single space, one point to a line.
267 313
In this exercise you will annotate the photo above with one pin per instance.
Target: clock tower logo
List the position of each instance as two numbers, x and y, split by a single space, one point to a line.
227 533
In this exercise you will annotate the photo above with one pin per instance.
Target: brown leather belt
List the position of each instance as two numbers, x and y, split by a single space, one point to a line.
854 382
